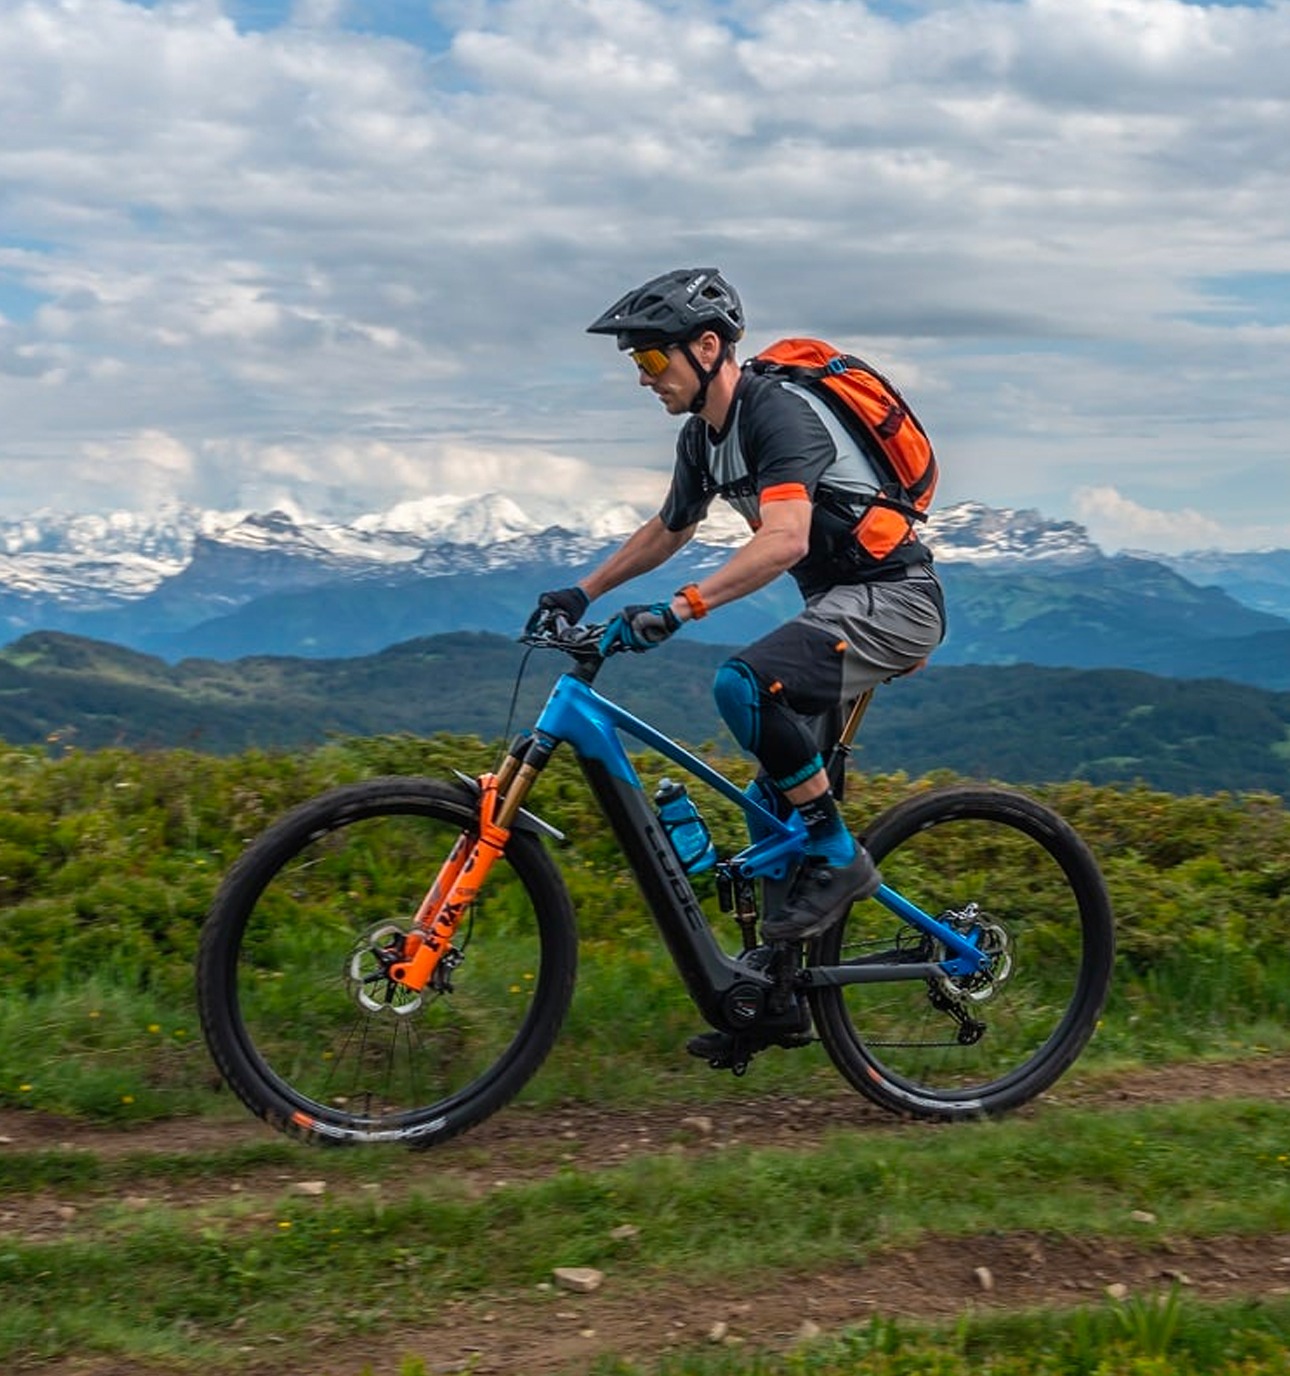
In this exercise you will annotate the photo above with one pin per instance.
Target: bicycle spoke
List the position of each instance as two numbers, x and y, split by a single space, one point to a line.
297 1001
1011 878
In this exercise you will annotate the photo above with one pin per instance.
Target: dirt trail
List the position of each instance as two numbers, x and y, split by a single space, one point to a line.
549 1330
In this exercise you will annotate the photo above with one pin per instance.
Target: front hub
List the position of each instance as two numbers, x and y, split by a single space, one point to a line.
368 977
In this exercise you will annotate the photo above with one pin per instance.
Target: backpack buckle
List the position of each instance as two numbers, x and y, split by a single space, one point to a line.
837 364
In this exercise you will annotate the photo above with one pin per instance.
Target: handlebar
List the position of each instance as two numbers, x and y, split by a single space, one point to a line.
580 642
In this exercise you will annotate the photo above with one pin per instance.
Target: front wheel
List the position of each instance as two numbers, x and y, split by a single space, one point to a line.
1009 873
295 1004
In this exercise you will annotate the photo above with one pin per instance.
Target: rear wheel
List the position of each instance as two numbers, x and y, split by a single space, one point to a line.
1009 873
296 1006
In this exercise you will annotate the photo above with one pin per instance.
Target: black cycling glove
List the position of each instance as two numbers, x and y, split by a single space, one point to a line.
564 604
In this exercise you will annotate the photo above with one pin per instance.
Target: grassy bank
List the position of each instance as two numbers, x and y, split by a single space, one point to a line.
108 862
174 1260
258 1266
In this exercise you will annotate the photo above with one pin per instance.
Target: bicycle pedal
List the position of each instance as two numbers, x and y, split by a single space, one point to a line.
738 1059
726 1051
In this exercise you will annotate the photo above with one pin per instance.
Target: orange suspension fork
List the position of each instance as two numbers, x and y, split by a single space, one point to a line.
463 872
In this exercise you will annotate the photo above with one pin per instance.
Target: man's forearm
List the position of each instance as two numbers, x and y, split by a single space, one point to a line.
749 568
778 544
653 544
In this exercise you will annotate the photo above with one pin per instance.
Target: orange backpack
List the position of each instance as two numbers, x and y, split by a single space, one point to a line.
876 416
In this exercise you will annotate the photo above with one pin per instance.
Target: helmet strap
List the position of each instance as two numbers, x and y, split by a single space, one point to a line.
705 376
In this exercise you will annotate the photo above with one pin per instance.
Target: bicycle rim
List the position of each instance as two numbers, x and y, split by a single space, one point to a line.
1009 872
295 1006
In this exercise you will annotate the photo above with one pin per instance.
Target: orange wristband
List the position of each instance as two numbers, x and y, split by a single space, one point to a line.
698 607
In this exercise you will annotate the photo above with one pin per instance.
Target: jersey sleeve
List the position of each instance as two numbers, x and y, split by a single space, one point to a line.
689 496
789 444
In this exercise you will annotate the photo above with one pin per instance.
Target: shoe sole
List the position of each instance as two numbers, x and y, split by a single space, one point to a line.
723 1055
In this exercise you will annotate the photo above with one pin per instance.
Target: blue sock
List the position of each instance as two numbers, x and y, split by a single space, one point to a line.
826 834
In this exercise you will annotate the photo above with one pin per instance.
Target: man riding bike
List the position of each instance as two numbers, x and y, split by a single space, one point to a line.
773 452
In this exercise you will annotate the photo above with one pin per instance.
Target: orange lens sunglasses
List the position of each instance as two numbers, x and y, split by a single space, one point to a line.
651 362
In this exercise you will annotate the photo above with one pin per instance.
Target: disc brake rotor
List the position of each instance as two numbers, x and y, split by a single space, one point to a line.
367 974
992 939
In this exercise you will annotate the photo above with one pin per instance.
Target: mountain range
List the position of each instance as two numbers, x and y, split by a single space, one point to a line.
1020 723
187 583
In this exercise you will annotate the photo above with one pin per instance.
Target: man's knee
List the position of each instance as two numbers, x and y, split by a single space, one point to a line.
762 723
738 693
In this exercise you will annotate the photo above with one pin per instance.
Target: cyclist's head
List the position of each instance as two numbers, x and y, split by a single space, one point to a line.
674 309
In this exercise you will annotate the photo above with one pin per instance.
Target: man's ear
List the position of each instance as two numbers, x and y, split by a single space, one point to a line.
711 347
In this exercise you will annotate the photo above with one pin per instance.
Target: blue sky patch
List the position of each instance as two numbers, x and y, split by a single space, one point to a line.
17 301
1254 298
412 23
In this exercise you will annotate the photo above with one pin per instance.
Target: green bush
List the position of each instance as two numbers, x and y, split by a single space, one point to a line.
109 860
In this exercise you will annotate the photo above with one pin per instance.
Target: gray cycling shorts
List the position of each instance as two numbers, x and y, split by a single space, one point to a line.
849 639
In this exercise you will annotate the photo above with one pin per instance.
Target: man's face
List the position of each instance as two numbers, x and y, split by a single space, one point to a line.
675 385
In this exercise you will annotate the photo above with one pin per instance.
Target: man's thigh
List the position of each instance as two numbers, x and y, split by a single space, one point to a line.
848 640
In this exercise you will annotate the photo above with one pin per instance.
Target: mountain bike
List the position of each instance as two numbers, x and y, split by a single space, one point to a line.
393 960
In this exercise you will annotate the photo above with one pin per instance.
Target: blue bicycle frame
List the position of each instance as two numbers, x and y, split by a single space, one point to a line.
590 724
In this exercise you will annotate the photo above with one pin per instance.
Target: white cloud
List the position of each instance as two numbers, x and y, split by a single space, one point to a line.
1117 523
286 246
150 464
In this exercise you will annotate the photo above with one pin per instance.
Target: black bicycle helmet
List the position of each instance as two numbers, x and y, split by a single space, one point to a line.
674 309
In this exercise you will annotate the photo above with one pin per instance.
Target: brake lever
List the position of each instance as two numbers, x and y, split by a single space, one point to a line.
581 641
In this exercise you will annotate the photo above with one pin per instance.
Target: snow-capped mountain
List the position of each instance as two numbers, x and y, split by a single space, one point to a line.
87 563
222 585
165 535
970 533
490 519
96 561
1258 578
90 562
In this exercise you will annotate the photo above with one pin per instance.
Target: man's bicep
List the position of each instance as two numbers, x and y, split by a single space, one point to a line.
786 509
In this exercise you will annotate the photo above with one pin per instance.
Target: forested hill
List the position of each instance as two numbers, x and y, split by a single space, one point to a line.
1019 723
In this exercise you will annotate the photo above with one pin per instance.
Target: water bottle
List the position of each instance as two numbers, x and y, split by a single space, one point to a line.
687 831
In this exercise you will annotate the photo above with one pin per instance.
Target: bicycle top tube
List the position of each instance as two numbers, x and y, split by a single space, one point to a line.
590 723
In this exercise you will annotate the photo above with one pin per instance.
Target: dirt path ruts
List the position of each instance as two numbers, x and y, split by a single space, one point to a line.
548 1330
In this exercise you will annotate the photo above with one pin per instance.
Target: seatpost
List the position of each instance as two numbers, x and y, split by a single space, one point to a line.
842 747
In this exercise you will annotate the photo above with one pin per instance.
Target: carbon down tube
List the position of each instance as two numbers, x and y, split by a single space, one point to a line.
590 724
707 971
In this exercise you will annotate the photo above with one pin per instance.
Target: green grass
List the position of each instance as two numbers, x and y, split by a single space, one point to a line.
109 860
239 1269
1178 1339
108 863
111 1054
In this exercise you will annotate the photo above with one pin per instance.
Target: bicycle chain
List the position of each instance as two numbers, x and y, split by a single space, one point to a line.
971 1030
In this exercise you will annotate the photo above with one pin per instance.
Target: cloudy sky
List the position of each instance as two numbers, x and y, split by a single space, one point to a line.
343 254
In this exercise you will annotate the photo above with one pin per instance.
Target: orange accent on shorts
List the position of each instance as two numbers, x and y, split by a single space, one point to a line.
776 687
841 647
784 492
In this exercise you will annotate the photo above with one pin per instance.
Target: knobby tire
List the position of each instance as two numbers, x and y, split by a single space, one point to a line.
1039 894
293 1007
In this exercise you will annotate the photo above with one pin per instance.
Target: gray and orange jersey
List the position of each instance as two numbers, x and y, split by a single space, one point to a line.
781 442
